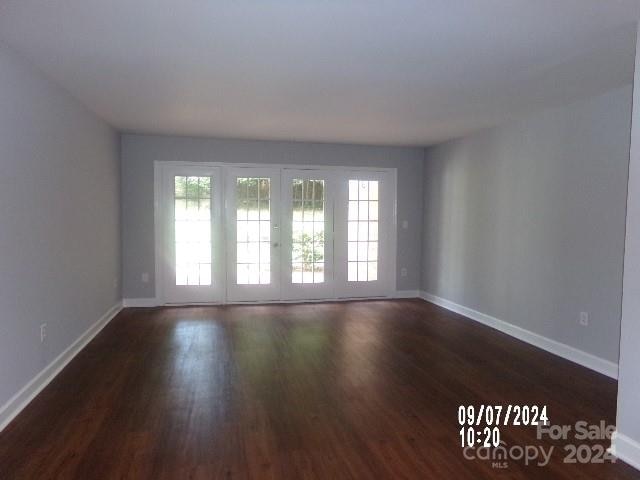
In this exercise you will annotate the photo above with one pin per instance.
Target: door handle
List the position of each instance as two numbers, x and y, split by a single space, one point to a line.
276 244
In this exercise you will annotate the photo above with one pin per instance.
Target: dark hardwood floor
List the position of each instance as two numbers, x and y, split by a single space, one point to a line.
359 390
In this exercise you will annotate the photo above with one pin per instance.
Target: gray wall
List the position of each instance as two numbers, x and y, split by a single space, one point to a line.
628 423
140 151
525 222
59 221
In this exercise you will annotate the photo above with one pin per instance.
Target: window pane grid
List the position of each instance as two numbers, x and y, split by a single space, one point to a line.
307 257
362 231
192 228
253 231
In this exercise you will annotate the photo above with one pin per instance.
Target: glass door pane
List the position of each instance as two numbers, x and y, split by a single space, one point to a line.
362 228
253 231
192 197
308 231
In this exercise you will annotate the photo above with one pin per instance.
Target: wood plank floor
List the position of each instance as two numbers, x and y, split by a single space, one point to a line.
358 390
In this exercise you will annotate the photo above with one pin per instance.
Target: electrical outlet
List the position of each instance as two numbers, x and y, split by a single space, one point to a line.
584 319
405 224
403 272
145 277
43 332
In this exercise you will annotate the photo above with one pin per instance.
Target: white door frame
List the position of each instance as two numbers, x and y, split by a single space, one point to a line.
386 238
159 169
165 231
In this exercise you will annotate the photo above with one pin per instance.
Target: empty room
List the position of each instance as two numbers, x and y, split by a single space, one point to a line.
319 239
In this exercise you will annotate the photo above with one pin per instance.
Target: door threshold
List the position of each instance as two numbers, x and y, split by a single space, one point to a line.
275 302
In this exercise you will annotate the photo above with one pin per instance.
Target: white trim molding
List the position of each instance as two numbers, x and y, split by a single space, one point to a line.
140 302
563 350
626 449
154 302
21 399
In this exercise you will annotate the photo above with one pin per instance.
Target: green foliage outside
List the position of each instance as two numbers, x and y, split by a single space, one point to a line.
303 249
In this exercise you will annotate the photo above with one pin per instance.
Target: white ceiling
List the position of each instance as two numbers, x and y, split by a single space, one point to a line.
361 71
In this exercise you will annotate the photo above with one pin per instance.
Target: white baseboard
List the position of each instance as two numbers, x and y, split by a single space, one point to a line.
563 350
408 294
140 302
21 399
626 449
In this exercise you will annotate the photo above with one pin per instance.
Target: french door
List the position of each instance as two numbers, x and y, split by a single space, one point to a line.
246 234
307 234
365 234
191 254
252 197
